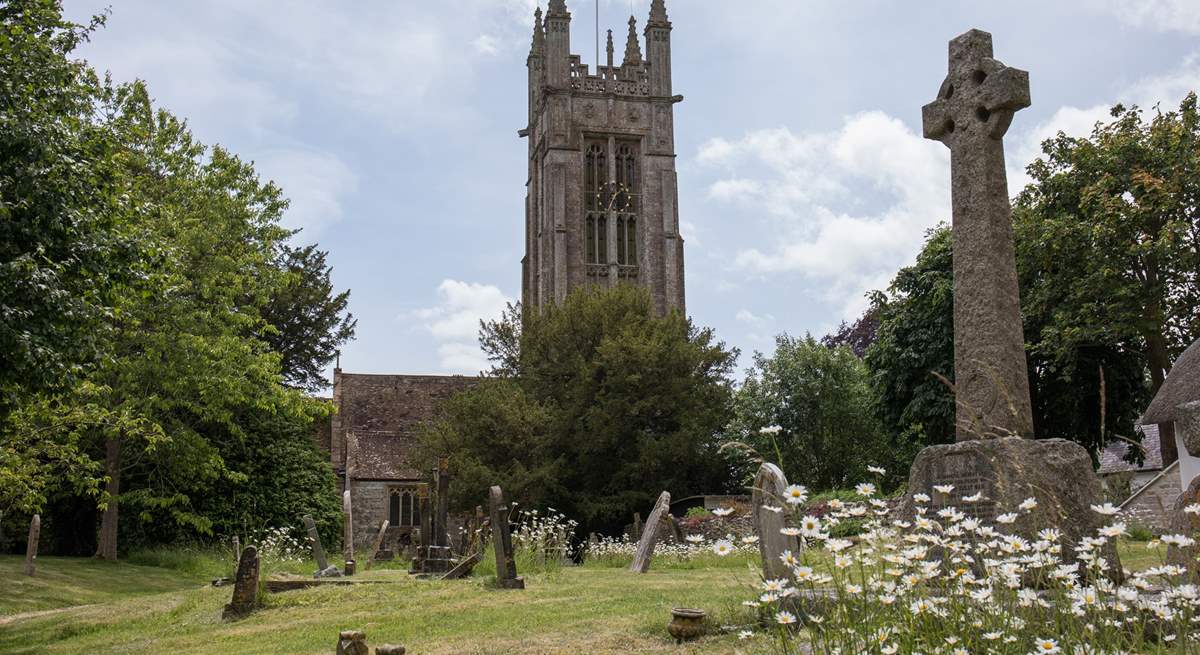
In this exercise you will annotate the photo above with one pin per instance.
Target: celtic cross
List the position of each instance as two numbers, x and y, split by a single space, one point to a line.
972 113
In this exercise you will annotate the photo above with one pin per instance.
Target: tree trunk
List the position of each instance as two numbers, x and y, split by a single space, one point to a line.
107 549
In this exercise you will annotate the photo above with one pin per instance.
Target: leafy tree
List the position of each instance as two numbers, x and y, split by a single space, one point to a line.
915 339
500 341
613 404
858 336
308 319
820 400
62 250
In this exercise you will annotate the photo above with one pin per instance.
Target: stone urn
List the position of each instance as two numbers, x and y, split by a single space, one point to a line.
686 624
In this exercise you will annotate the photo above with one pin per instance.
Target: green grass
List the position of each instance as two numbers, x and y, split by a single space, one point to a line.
573 610
66 581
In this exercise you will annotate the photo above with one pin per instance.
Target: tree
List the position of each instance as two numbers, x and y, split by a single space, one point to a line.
915 340
613 404
62 249
308 320
820 400
858 336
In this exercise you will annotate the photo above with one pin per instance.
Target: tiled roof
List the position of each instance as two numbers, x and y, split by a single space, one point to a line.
1112 458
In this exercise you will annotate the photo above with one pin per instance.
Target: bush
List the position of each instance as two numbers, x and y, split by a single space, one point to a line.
697 512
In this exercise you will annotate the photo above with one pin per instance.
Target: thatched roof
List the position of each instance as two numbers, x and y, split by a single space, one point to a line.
1181 386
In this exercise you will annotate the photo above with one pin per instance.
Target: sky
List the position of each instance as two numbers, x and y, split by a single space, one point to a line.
804 181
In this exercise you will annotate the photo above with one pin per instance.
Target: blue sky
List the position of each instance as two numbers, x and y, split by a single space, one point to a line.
392 126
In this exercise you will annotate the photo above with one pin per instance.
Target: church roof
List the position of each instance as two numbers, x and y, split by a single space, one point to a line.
386 413
1181 386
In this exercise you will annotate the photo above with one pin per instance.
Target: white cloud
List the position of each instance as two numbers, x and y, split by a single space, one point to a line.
1166 15
315 182
750 318
849 207
486 44
454 322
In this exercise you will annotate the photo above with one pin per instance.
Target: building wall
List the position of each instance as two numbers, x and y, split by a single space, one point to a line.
1151 506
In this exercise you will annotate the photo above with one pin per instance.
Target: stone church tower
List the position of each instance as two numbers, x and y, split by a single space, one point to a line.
602 197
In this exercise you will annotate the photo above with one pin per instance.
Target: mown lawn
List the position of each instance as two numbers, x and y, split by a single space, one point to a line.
66 581
575 610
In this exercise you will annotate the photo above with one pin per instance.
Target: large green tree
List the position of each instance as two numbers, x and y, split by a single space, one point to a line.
820 400
612 405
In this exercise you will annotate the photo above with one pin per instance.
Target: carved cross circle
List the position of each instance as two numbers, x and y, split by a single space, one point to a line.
979 95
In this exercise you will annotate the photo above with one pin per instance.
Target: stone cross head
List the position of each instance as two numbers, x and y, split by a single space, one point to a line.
978 97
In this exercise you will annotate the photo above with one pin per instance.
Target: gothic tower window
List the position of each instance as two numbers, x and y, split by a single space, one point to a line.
626 206
595 201
403 510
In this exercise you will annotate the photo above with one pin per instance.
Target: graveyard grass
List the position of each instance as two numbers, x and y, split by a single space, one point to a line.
165 604
128 608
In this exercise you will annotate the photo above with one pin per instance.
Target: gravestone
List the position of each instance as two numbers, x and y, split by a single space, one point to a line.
389 649
438 557
645 547
768 493
423 542
378 543
1177 424
1186 524
324 570
506 563
31 546
245 586
973 110
637 526
352 642
348 529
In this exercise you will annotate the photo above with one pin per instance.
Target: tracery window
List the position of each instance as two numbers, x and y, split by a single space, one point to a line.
595 178
403 508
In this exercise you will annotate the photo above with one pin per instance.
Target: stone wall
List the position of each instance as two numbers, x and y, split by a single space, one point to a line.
1151 507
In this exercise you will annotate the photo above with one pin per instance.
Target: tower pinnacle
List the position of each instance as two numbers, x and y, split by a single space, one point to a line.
633 47
539 35
658 14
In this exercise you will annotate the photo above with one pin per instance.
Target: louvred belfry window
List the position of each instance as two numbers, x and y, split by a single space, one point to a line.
596 225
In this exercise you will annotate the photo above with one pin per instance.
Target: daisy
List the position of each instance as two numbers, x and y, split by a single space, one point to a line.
795 494
771 429
722 511
1106 509
695 538
943 488
787 618
865 489
723 547
877 470
1046 647
1028 504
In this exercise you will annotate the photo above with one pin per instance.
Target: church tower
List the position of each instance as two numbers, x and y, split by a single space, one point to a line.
601 205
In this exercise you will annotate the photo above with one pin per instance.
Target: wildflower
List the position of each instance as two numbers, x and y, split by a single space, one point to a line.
1006 518
772 508
1194 508
921 498
750 539
877 470
810 526
787 618
973 498
722 511
1046 647
789 532
865 489
771 429
889 649
802 573
795 494
943 488
788 558
723 547
774 585
695 538
1028 504
992 636
1114 530
1106 509
745 634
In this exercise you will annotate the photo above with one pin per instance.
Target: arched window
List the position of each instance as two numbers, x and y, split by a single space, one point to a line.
627 205
595 201
404 509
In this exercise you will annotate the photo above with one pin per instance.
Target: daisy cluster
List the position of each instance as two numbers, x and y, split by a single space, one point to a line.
543 536
620 551
946 583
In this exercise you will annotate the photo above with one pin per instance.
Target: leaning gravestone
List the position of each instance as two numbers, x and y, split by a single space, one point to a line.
245 586
767 495
506 563
324 570
31 546
377 544
348 527
973 111
645 547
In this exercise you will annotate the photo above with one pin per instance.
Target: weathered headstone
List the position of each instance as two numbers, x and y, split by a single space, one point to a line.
506 563
245 586
438 557
378 543
637 526
423 542
645 547
324 570
31 546
1176 411
464 567
348 528
974 109
769 513
972 112
352 642
389 649
237 553
1187 524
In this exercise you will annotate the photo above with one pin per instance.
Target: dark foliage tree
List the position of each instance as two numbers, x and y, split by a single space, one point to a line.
308 318
858 336
612 405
